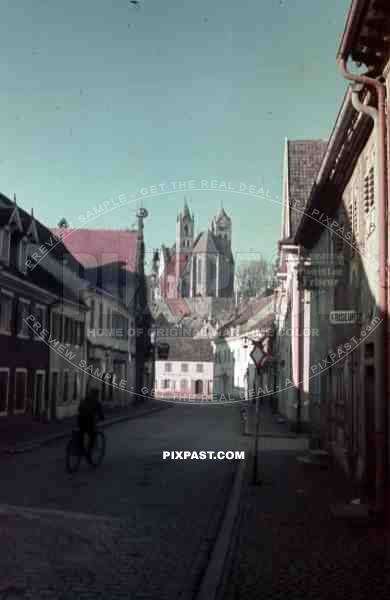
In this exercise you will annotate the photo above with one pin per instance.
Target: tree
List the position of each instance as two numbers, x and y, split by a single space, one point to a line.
254 277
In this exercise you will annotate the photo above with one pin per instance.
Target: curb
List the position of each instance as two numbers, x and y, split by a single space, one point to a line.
217 568
12 450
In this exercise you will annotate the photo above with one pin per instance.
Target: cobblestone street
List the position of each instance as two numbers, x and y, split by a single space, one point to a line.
138 527
290 546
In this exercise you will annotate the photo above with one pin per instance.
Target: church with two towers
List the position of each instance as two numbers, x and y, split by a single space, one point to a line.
198 267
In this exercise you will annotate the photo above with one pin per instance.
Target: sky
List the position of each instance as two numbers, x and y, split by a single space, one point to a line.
101 100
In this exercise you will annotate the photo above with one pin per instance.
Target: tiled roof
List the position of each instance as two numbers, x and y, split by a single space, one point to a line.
250 313
304 160
188 349
96 247
45 235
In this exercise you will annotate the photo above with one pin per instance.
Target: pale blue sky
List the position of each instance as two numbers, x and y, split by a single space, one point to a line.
98 99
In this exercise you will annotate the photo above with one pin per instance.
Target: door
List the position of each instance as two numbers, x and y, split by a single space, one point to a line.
198 386
369 400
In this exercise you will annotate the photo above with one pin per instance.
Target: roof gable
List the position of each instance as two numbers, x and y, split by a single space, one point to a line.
205 244
304 158
98 247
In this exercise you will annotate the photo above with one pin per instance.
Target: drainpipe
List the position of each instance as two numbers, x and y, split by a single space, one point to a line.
298 341
379 117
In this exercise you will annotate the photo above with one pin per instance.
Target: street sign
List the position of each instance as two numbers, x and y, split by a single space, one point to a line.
260 352
344 317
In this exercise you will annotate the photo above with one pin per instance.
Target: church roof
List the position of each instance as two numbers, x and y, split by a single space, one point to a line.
206 244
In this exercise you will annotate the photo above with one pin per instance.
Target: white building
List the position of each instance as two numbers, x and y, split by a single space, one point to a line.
235 373
188 370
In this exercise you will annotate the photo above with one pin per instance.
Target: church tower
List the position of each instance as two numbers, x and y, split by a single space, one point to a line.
185 225
221 227
184 230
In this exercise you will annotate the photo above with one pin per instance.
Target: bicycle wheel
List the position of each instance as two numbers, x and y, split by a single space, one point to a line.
73 455
97 452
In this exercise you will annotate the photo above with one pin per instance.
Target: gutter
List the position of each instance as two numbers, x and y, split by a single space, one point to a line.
354 15
381 398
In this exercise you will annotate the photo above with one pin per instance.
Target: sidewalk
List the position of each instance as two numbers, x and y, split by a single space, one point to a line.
288 544
23 433
268 423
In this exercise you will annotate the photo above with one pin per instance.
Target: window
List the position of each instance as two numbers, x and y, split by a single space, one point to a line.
39 393
57 326
40 316
23 329
184 368
5 244
168 367
76 386
369 191
65 389
166 384
22 255
199 368
4 385
369 200
73 332
20 390
54 387
199 271
79 333
66 329
92 315
6 304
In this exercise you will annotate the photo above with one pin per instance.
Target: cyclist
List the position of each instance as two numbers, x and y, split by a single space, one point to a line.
90 411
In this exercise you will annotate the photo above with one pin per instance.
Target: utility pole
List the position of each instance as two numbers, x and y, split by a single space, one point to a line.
255 479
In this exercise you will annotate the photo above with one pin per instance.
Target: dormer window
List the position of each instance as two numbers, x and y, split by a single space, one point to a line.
5 244
22 255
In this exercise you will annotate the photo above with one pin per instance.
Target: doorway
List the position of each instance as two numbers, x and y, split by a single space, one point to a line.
369 401
198 386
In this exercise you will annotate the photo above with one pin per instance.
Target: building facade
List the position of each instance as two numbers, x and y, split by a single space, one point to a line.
335 283
235 374
188 370
107 332
33 286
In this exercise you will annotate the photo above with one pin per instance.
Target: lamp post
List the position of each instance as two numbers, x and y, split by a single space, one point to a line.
107 356
153 341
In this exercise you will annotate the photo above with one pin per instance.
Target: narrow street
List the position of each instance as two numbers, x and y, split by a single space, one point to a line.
137 527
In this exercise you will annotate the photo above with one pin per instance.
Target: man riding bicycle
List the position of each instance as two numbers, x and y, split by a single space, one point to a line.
90 411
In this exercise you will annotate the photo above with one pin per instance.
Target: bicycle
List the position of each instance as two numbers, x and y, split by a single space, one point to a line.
76 449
